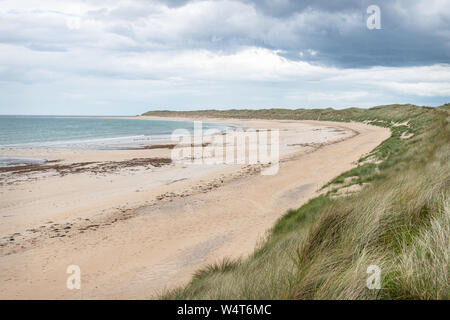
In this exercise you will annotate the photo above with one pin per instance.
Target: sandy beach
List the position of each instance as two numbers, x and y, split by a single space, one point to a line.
137 223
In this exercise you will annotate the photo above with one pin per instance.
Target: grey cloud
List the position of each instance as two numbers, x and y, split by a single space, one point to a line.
400 42
196 53
337 42
334 30
283 8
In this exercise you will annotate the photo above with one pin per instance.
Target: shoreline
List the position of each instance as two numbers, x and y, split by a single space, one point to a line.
195 190
105 140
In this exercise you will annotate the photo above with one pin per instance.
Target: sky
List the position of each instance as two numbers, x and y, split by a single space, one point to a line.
126 57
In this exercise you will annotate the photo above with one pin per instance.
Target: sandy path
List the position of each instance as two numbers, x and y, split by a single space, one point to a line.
162 244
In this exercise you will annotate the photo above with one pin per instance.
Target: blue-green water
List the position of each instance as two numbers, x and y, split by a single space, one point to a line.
86 133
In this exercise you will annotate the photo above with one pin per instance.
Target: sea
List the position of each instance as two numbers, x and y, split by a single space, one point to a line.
76 132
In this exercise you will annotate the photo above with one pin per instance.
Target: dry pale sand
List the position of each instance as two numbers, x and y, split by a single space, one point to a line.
137 230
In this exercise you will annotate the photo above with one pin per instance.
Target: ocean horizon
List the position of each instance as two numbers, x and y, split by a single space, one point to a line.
87 132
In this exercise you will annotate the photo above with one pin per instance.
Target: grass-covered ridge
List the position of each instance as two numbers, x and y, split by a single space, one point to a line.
400 220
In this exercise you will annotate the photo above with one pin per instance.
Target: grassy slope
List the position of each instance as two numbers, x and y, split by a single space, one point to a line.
399 222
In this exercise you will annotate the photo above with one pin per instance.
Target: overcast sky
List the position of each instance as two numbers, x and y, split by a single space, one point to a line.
127 57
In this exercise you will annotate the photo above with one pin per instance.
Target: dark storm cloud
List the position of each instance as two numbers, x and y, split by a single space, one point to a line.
412 33
285 8
409 35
